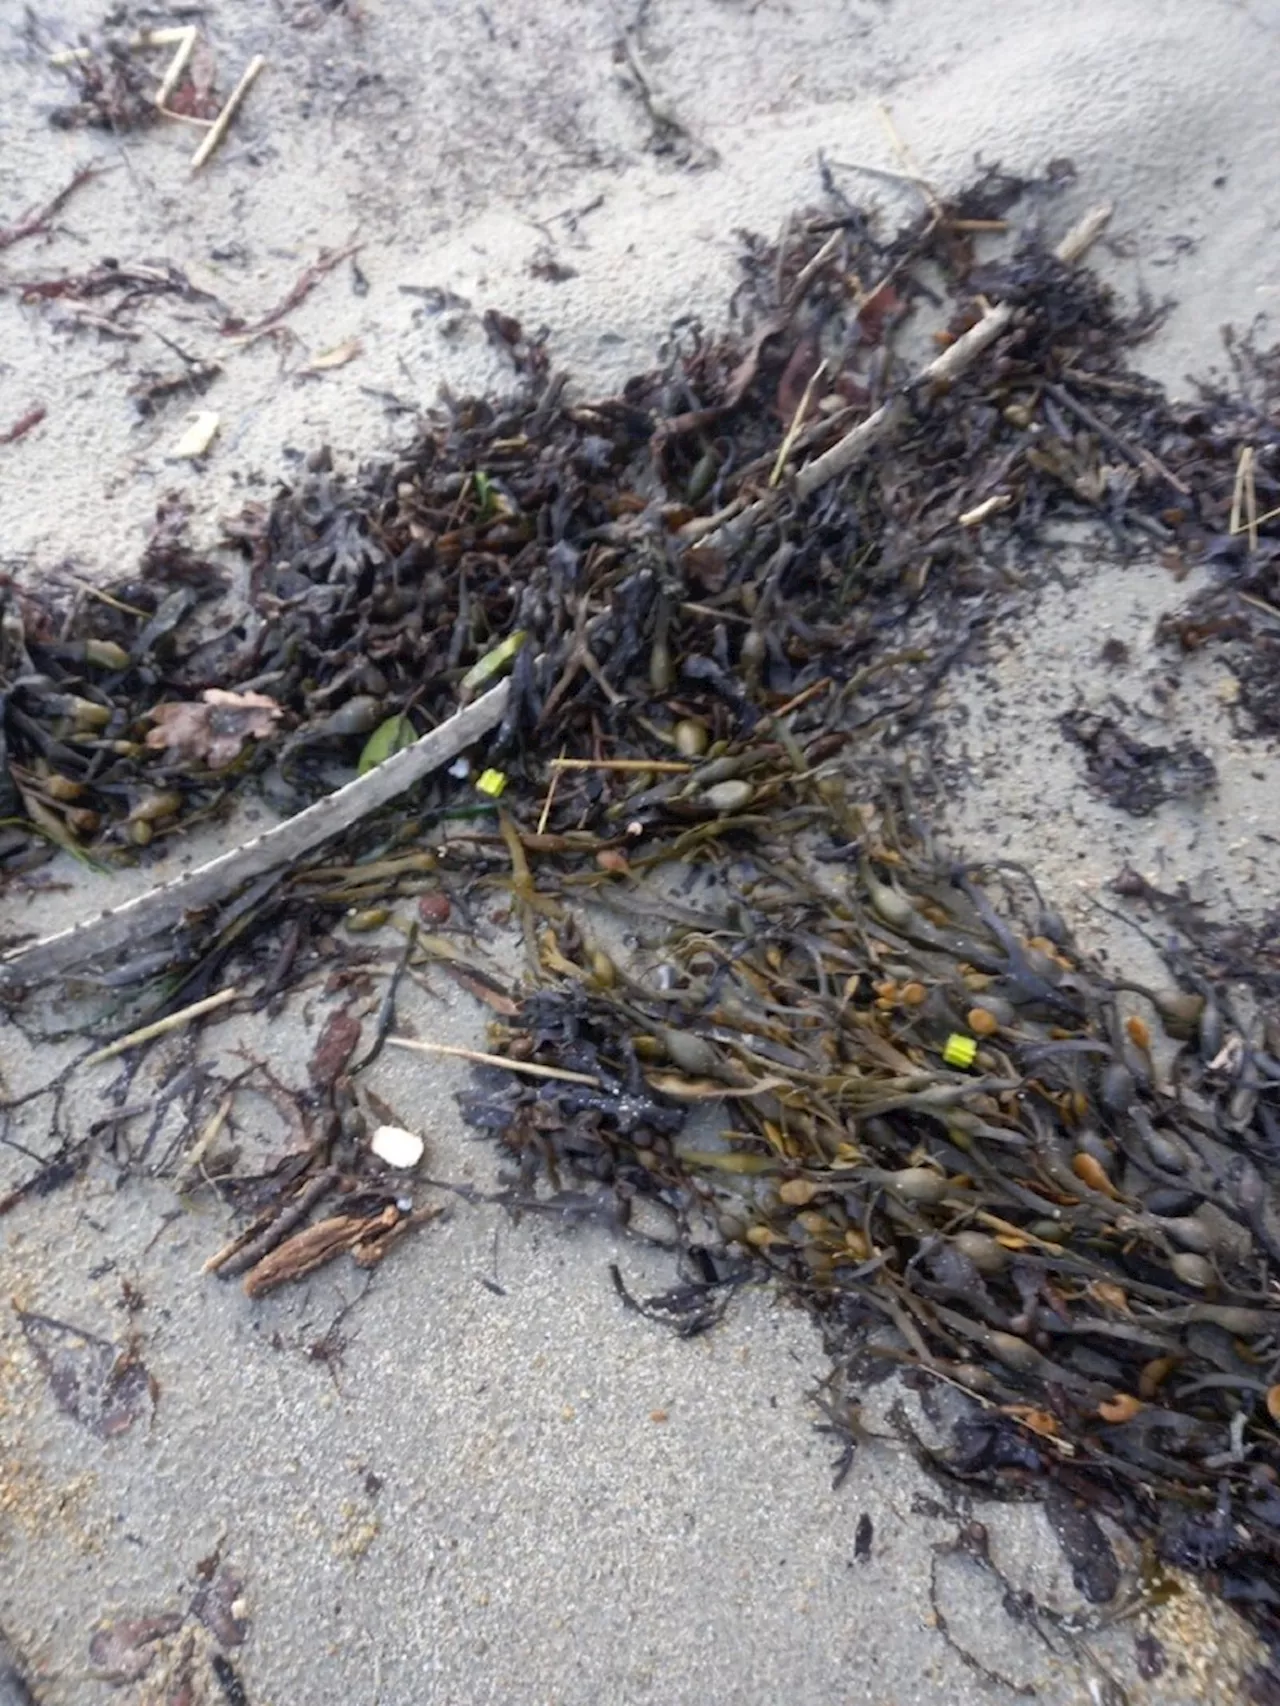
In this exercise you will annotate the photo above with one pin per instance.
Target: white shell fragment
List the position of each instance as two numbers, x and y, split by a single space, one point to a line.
196 440
398 1148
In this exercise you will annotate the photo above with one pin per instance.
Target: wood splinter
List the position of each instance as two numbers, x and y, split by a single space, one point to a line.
222 123
367 1237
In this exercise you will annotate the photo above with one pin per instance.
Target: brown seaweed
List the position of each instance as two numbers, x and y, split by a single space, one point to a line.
942 1131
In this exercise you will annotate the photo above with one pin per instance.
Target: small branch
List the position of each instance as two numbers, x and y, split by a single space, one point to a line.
224 118
797 421
478 1057
162 1027
662 766
1138 455
183 41
162 908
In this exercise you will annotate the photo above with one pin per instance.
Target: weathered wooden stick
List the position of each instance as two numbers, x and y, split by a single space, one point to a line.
162 1027
161 908
220 125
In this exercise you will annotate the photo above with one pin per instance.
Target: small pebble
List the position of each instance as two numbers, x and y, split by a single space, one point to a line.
397 1147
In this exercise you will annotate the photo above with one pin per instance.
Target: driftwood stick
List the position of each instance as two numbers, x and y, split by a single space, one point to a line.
161 908
220 125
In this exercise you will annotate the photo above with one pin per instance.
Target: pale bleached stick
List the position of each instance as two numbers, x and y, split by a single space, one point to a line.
846 452
162 1027
228 112
478 1057
161 908
185 42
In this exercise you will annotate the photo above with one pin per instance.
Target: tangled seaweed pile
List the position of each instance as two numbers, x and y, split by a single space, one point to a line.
1058 1190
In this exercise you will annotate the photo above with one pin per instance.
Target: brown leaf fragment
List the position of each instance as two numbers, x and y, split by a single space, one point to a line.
338 1042
93 1381
216 731
215 1603
123 1651
875 310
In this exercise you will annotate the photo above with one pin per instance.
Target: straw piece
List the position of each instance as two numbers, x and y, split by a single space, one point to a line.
530 1068
162 1027
224 118
184 41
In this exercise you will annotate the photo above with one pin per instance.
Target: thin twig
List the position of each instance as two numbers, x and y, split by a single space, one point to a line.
797 421
810 270
530 1068
185 38
663 766
224 118
1245 498
989 506
551 794
913 174
162 1027
31 224
1137 454
245 1252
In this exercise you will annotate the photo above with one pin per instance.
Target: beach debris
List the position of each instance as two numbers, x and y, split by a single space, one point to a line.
338 356
36 222
112 86
115 83
397 1147
158 909
151 390
182 38
1131 774
325 262
339 1039
163 1027
218 130
198 437
228 1680
24 424
104 1387
124 1651
219 1604
366 1237
216 730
